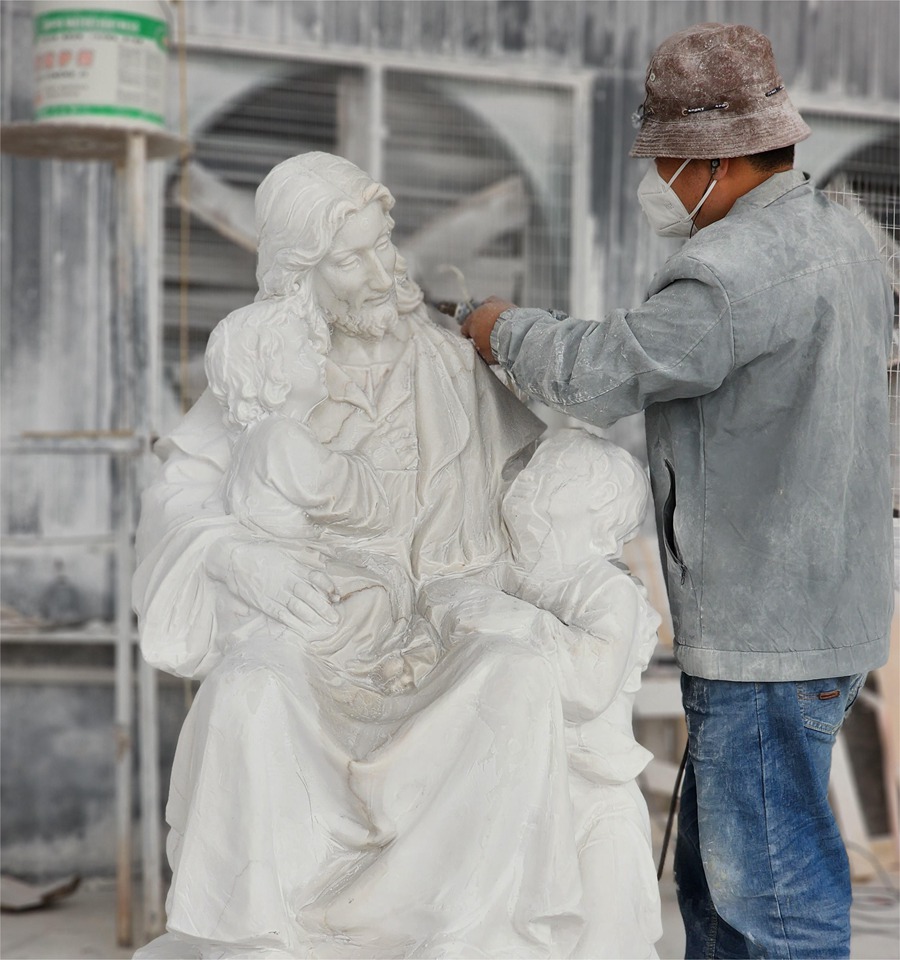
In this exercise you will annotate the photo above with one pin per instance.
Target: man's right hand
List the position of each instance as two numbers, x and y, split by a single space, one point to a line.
272 580
480 323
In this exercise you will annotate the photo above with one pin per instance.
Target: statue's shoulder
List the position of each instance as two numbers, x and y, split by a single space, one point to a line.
201 434
276 427
450 346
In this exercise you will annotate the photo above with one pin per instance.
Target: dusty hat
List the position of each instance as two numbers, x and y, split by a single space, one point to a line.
714 90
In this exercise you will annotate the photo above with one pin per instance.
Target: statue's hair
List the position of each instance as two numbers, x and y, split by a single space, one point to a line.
300 206
584 470
607 471
246 354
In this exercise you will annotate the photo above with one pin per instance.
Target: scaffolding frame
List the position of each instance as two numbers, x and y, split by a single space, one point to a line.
135 358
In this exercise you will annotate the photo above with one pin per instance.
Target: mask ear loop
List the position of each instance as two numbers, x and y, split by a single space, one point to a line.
677 172
707 190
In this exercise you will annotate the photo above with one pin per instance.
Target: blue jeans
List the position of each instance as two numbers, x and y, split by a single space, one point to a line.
760 867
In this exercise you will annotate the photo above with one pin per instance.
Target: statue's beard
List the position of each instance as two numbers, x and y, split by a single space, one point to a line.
370 323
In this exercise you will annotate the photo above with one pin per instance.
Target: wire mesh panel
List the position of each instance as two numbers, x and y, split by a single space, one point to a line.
482 176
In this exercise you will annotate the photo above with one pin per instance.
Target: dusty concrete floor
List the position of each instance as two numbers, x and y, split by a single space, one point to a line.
82 926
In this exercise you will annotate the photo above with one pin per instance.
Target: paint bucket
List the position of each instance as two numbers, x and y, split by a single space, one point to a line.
101 63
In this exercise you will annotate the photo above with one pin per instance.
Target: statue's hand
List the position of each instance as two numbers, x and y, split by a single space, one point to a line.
270 579
501 615
463 608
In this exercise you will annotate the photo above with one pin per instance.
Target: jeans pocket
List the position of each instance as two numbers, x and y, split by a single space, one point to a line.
824 703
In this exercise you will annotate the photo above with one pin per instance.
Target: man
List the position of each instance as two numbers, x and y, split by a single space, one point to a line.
759 358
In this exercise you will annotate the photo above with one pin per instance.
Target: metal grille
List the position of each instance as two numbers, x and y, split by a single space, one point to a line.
506 149
481 170
267 123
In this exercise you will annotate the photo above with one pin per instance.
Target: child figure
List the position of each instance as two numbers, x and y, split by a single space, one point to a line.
266 367
568 514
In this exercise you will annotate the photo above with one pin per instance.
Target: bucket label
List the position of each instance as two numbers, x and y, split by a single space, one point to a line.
100 64
101 21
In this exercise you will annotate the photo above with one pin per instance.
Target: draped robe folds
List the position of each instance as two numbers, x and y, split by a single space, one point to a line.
467 428
472 815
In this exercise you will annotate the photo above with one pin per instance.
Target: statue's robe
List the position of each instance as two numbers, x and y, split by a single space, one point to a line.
440 441
451 809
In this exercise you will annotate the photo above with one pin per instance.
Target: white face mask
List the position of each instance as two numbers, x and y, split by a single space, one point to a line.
664 210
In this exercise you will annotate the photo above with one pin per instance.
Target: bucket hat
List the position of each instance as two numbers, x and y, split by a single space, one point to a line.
713 90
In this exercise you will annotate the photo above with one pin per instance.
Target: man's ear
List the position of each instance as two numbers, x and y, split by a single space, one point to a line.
719 168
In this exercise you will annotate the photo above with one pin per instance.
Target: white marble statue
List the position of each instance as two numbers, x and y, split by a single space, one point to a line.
412 737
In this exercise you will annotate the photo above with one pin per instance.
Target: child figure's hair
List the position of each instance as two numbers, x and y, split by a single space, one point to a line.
575 482
246 355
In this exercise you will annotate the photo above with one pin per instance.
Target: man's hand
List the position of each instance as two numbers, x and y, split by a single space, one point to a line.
480 322
271 580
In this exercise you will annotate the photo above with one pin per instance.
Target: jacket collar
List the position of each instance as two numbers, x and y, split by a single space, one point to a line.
772 189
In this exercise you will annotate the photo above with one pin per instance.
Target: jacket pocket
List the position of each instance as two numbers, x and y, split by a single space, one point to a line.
669 524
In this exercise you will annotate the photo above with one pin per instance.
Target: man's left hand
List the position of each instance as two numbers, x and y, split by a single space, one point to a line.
480 322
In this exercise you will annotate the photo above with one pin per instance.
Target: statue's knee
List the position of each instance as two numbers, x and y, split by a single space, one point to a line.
522 671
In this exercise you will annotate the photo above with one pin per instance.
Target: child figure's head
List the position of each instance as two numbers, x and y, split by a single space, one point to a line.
579 498
263 358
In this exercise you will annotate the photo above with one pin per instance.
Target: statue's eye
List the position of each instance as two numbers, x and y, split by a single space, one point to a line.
348 263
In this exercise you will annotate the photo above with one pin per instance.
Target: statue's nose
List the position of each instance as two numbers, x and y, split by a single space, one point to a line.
380 278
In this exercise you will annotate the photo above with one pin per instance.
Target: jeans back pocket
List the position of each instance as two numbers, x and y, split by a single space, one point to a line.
824 703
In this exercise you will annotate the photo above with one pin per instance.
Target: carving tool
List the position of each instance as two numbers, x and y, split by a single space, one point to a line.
457 309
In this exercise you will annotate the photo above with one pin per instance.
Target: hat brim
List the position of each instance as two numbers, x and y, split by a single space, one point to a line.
709 136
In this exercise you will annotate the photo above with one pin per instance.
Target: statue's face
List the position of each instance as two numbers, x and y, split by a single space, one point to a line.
354 283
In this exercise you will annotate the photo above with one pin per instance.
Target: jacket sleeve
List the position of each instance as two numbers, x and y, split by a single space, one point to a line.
678 344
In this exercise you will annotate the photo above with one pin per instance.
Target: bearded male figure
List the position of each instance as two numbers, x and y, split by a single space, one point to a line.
402 392
318 814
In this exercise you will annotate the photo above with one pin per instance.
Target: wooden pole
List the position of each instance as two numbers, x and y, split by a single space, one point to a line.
131 342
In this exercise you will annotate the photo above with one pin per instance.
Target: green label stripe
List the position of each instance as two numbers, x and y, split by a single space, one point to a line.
100 21
67 110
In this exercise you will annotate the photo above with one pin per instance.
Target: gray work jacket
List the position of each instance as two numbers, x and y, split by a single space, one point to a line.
760 358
